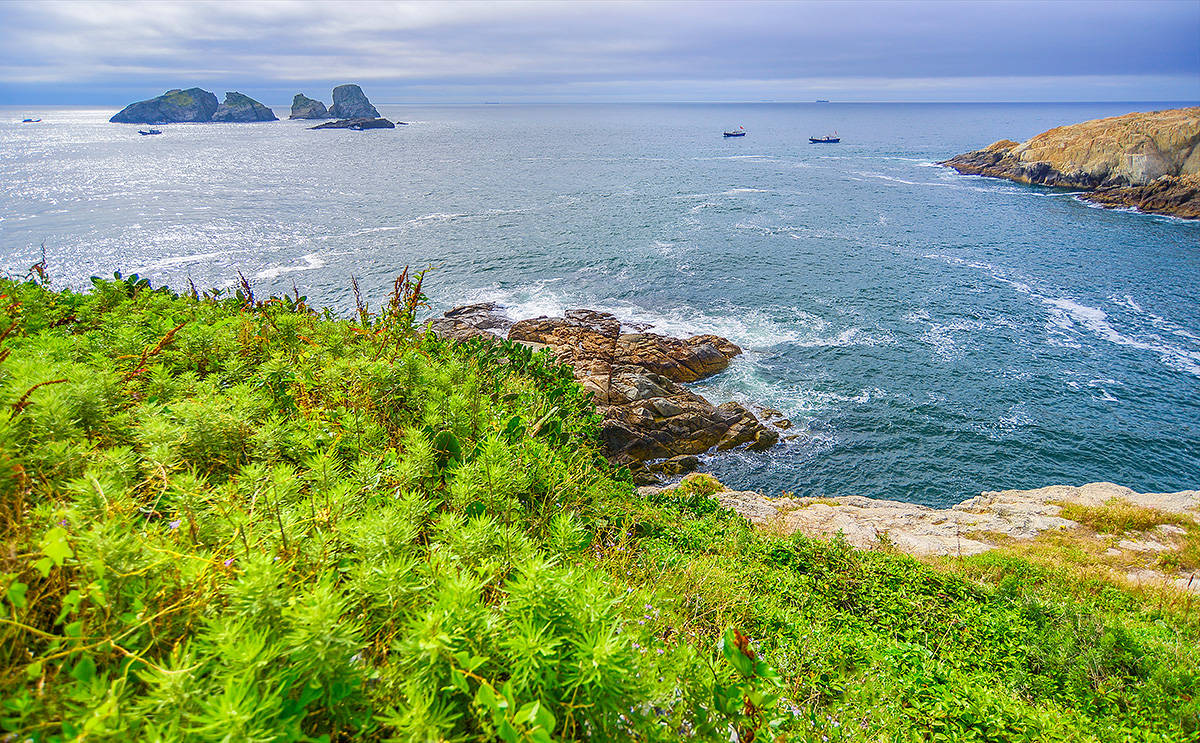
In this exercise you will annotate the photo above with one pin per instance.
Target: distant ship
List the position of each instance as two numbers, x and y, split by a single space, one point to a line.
827 139
822 100
30 121
739 132
145 133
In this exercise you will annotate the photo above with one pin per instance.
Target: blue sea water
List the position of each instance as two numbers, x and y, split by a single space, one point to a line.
931 335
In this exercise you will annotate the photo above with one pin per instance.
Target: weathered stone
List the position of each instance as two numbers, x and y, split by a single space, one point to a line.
242 108
356 124
633 380
191 105
304 107
1150 161
349 102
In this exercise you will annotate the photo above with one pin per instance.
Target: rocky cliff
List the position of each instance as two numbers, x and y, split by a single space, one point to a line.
349 102
242 108
173 106
650 421
1145 160
304 107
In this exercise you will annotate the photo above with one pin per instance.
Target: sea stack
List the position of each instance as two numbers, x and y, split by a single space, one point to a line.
193 104
1150 161
241 108
349 102
304 107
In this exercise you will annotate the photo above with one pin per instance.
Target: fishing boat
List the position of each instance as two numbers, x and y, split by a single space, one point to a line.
146 133
739 132
827 139
30 121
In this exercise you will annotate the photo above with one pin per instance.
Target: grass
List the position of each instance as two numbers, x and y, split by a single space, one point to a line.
1117 516
226 518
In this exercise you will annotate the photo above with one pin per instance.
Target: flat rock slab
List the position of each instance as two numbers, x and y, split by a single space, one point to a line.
973 526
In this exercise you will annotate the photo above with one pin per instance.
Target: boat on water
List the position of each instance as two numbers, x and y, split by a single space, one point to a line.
827 139
146 133
739 132
30 121
822 100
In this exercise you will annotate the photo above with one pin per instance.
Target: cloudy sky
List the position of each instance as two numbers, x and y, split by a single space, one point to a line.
108 53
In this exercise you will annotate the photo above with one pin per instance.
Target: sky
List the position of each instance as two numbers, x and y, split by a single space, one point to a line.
101 52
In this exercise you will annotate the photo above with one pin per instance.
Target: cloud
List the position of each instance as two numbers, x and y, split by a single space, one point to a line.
436 50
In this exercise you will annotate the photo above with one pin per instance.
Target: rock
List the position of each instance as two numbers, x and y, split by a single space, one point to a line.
242 108
349 102
171 107
1178 196
356 124
304 107
1143 160
485 316
634 379
972 526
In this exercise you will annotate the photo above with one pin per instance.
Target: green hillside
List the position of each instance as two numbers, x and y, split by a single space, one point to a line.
227 519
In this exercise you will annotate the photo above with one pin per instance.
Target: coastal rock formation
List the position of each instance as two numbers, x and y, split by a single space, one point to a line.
1142 160
356 124
304 107
242 108
171 107
1177 196
976 525
635 381
349 102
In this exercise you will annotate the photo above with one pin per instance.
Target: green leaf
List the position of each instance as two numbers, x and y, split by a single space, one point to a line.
33 670
459 681
85 670
506 731
485 697
448 450
56 547
16 594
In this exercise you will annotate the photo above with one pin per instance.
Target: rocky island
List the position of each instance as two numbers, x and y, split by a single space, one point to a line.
195 105
191 105
238 107
304 107
1149 161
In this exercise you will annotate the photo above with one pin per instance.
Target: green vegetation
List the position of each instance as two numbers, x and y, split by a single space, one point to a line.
1118 516
227 519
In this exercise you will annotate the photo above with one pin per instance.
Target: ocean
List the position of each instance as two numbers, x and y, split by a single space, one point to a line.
930 335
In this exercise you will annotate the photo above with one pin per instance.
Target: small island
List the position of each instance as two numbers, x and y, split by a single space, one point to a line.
1148 161
351 108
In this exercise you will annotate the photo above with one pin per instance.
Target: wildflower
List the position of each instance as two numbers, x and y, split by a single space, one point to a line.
175 524
229 562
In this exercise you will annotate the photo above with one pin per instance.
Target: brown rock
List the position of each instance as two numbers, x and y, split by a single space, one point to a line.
633 378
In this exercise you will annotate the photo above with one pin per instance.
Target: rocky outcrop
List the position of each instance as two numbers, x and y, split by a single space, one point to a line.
982 523
242 108
1137 160
650 421
356 124
1177 196
304 107
349 102
174 106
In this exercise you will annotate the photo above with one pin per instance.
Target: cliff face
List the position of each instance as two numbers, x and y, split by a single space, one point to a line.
349 102
1128 156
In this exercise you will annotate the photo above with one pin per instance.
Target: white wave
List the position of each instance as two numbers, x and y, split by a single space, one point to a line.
181 260
1067 313
310 262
